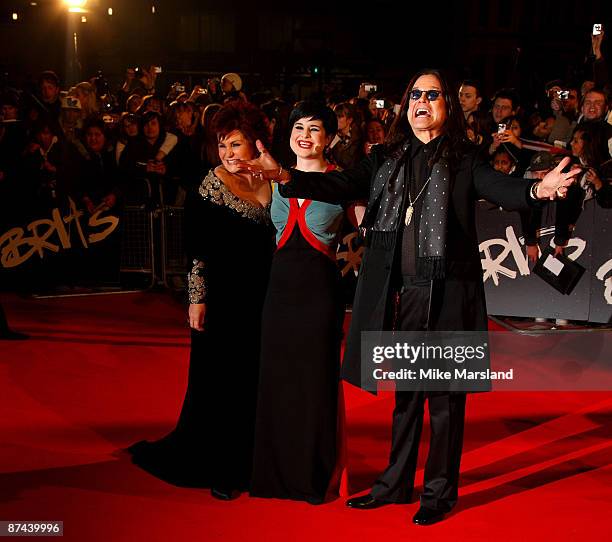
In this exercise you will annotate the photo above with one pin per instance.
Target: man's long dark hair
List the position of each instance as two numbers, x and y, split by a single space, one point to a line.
455 140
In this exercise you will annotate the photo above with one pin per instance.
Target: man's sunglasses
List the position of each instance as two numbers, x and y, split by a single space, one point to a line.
432 95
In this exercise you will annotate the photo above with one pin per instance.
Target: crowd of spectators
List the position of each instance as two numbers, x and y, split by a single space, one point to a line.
94 144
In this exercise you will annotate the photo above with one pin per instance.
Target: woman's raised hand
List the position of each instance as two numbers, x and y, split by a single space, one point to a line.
265 167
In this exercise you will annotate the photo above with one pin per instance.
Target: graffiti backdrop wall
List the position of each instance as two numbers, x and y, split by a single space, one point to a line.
511 288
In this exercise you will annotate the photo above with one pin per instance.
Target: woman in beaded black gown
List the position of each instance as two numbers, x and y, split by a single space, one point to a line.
230 243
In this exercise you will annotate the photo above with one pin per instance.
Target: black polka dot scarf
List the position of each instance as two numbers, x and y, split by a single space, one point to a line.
431 262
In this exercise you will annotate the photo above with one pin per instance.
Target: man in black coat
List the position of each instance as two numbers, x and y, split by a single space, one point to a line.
421 267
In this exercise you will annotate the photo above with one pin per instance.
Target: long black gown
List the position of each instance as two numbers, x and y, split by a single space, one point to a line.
297 434
211 446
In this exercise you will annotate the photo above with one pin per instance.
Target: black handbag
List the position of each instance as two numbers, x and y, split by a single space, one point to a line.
559 271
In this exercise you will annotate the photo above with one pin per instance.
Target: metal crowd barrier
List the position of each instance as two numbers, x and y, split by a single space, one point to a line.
152 234
138 231
173 255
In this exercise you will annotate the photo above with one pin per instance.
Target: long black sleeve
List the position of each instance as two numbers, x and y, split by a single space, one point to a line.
333 187
509 192
530 222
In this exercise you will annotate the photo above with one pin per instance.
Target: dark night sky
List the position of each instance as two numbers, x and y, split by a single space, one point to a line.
384 40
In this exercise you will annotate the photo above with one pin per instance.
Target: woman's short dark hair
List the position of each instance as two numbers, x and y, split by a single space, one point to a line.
244 117
314 111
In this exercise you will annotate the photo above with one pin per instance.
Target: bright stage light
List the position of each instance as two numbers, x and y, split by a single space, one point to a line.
15 16
110 11
75 3
76 6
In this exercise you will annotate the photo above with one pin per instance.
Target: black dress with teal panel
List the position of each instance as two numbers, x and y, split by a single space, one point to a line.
230 242
296 440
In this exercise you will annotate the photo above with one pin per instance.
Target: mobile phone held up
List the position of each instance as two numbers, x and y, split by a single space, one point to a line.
563 94
597 29
501 128
369 87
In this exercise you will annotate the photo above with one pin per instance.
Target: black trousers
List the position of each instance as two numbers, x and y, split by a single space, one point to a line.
447 417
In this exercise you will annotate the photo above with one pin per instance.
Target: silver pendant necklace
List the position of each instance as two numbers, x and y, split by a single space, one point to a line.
410 210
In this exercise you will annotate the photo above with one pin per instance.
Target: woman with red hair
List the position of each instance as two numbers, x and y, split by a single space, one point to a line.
230 243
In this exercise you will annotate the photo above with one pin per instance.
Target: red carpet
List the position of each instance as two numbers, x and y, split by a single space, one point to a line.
102 372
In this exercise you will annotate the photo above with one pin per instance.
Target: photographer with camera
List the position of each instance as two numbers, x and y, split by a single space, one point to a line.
564 105
508 139
504 104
